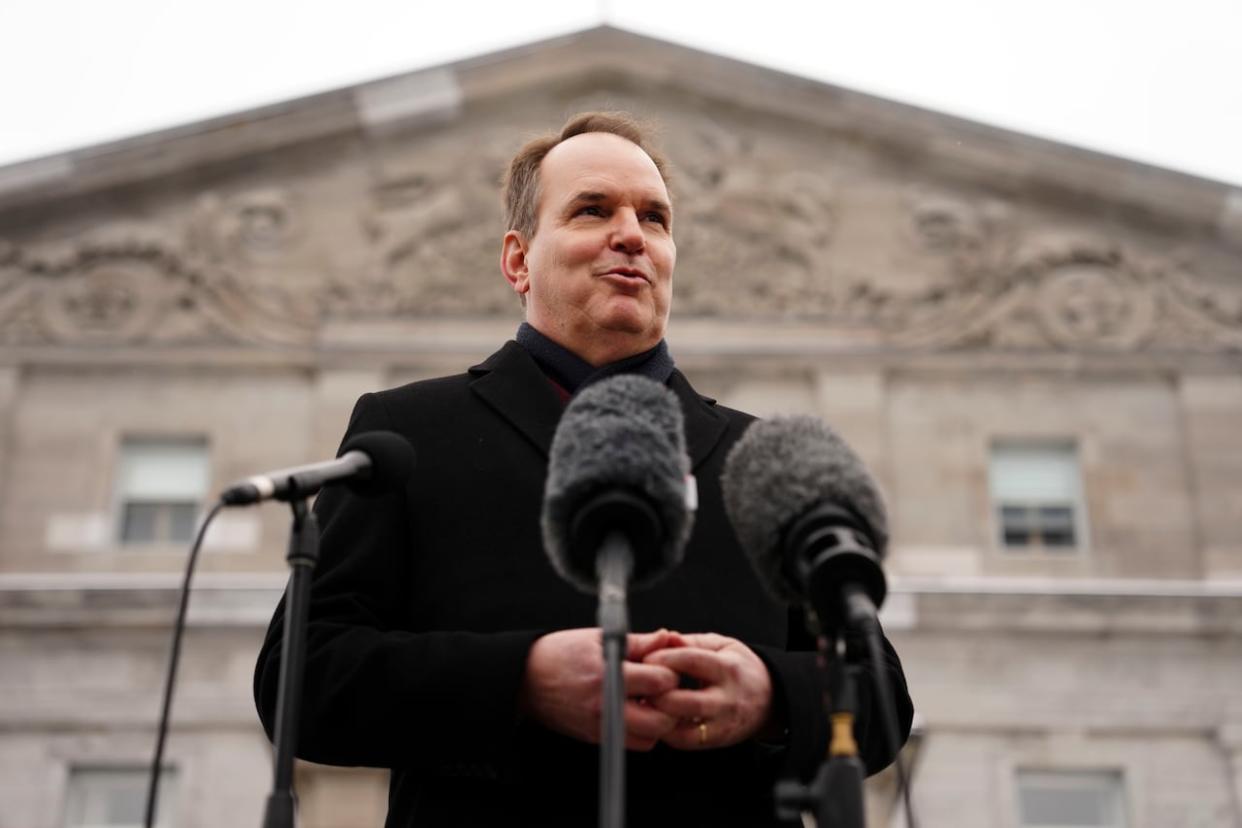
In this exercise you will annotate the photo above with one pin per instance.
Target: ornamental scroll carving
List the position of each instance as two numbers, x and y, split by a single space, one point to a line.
1066 292
136 284
758 246
434 245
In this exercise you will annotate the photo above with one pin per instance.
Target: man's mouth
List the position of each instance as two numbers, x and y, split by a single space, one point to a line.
628 273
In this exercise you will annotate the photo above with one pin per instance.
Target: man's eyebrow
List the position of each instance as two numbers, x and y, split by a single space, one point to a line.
659 204
588 197
594 197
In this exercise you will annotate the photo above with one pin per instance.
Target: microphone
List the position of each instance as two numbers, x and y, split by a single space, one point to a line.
368 463
618 463
810 518
617 510
812 522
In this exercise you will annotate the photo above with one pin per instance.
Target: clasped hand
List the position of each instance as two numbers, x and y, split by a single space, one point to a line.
728 698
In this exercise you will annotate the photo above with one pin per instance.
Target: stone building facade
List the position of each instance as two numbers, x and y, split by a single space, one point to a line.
958 301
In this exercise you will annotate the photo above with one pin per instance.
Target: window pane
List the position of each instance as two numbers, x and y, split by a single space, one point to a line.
1061 539
1056 517
1018 525
138 521
115 798
1041 806
158 522
1057 525
1034 473
181 521
154 470
1070 800
1018 537
1018 518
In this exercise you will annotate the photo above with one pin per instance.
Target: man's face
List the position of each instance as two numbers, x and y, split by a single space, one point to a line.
597 274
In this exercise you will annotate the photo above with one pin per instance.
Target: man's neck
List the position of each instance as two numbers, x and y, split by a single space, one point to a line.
571 371
604 348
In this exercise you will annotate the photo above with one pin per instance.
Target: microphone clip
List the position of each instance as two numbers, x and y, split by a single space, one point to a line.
829 553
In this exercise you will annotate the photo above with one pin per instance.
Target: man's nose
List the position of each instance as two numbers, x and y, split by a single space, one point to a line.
627 233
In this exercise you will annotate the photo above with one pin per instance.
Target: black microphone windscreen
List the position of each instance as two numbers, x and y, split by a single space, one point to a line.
777 472
392 461
623 433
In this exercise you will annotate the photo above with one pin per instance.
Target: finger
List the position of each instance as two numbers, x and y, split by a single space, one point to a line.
647 679
706 665
639 645
693 736
646 722
675 639
690 704
707 641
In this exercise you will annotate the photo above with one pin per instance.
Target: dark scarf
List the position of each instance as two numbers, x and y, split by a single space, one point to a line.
572 373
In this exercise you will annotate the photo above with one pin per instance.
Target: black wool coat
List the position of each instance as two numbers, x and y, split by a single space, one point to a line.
426 601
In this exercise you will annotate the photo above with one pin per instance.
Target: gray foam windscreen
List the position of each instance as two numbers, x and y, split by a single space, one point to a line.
777 472
625 432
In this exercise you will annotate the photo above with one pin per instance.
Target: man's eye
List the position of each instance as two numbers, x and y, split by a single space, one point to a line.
658 218
590 210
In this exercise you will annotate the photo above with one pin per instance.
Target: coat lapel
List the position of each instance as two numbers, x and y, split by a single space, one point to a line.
511 383
704 424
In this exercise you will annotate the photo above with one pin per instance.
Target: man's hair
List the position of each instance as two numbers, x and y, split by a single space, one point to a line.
521 183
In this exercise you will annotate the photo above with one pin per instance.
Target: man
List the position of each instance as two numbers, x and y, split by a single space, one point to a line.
441 643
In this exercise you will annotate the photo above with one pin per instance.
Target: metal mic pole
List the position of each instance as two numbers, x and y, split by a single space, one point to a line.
613 568
302 557
835 796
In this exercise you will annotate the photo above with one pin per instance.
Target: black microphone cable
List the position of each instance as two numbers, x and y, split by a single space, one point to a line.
170 678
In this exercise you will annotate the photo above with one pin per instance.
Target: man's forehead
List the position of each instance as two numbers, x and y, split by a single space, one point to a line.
594 160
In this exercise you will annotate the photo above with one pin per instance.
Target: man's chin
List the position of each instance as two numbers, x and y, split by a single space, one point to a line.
635 326
624 315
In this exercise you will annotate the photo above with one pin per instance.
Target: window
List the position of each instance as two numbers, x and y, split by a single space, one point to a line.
1037 495
1070 799
116 798
161 484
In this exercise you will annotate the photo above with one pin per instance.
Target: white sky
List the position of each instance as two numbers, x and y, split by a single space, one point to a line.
1159 82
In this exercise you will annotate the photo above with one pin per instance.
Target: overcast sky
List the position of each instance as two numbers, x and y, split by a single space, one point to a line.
1160 82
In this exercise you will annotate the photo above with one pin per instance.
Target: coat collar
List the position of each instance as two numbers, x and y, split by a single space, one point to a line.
510 382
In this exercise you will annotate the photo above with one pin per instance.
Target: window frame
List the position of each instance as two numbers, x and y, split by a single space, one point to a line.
1077 502
120 501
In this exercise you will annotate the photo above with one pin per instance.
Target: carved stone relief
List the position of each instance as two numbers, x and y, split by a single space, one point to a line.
434 235
1082 294
756 240
124 285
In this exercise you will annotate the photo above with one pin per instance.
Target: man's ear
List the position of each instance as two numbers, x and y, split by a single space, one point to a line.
513 263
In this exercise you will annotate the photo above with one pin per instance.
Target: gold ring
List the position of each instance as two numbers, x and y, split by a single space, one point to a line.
702 733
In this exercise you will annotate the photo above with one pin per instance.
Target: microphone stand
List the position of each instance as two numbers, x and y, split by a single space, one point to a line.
613 568
835 796
844 584
594 531
302 556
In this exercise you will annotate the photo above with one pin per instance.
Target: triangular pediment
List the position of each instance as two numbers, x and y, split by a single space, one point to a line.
799 204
